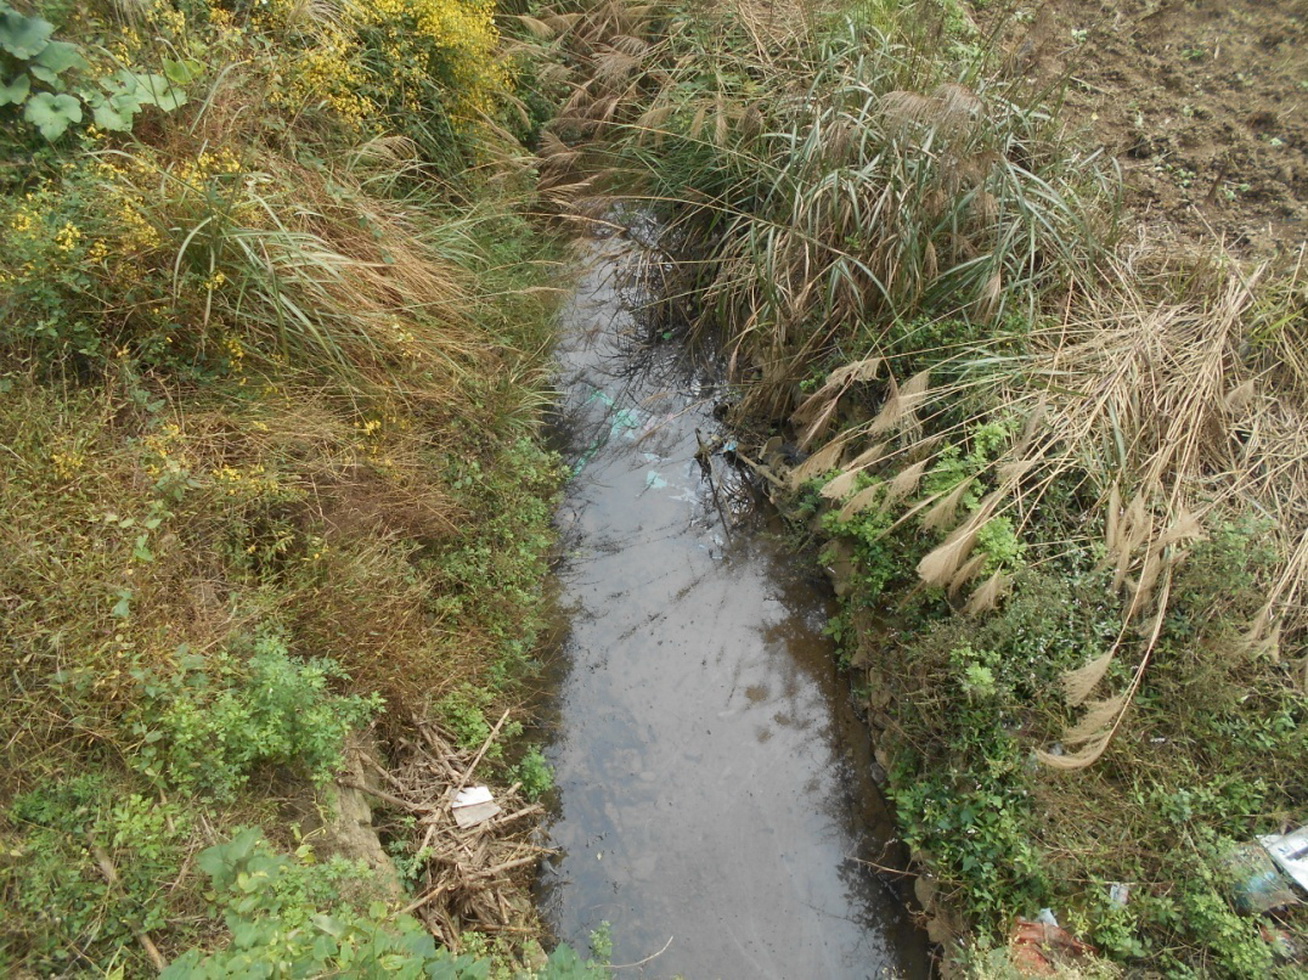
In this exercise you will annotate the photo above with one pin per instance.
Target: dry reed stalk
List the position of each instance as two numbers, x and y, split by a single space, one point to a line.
1134 393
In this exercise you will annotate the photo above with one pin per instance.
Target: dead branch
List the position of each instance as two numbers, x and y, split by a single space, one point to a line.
115 884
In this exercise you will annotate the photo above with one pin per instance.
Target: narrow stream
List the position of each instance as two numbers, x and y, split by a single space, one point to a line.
714 783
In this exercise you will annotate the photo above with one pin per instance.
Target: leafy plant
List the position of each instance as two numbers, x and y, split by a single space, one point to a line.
534 772
90 864
287 920
212 723
35 64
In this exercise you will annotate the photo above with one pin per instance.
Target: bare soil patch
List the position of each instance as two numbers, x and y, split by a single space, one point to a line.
1203 102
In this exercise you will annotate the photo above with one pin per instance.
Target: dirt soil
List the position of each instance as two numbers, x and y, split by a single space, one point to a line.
1203 102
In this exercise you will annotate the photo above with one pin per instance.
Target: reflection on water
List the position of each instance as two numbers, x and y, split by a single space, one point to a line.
712 780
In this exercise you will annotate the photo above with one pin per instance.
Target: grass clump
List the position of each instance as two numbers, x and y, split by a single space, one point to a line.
825 178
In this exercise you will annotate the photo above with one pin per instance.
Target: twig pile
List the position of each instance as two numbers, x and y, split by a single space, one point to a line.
475 877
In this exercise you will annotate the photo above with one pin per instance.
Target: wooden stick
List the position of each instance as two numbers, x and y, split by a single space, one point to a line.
432 895
382 771
441 747
885 870
652 956
385 797
458 787
426 838
763 471
506 866
143 937
524 812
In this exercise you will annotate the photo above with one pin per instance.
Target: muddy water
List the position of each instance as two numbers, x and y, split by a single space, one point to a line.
714 785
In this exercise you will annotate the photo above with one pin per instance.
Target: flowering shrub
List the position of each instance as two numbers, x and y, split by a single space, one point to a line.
446 43
389 65
91 255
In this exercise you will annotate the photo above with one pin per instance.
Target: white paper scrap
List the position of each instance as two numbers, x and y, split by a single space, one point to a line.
472 796
474 805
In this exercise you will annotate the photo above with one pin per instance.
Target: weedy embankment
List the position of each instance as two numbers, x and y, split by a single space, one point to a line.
1056 457
273 325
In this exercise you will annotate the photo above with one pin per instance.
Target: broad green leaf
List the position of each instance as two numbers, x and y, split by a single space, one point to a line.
329 925
182 72
128 91
16 91
44 74
171 98
155 89
107 117
24 37
148 85
52 114
106 113
122 84
248 934
59 56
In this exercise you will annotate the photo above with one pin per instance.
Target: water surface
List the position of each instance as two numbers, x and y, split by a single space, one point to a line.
714 796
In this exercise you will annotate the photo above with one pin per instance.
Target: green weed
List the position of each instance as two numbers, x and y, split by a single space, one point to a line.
534 772
208 726
288 915
90 866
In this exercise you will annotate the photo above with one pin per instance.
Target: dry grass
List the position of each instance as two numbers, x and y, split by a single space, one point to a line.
1149 393
279 510
824 176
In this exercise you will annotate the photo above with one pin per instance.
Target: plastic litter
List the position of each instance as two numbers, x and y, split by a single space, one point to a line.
1290 851
473 806
1036 948
1255 883
625 421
